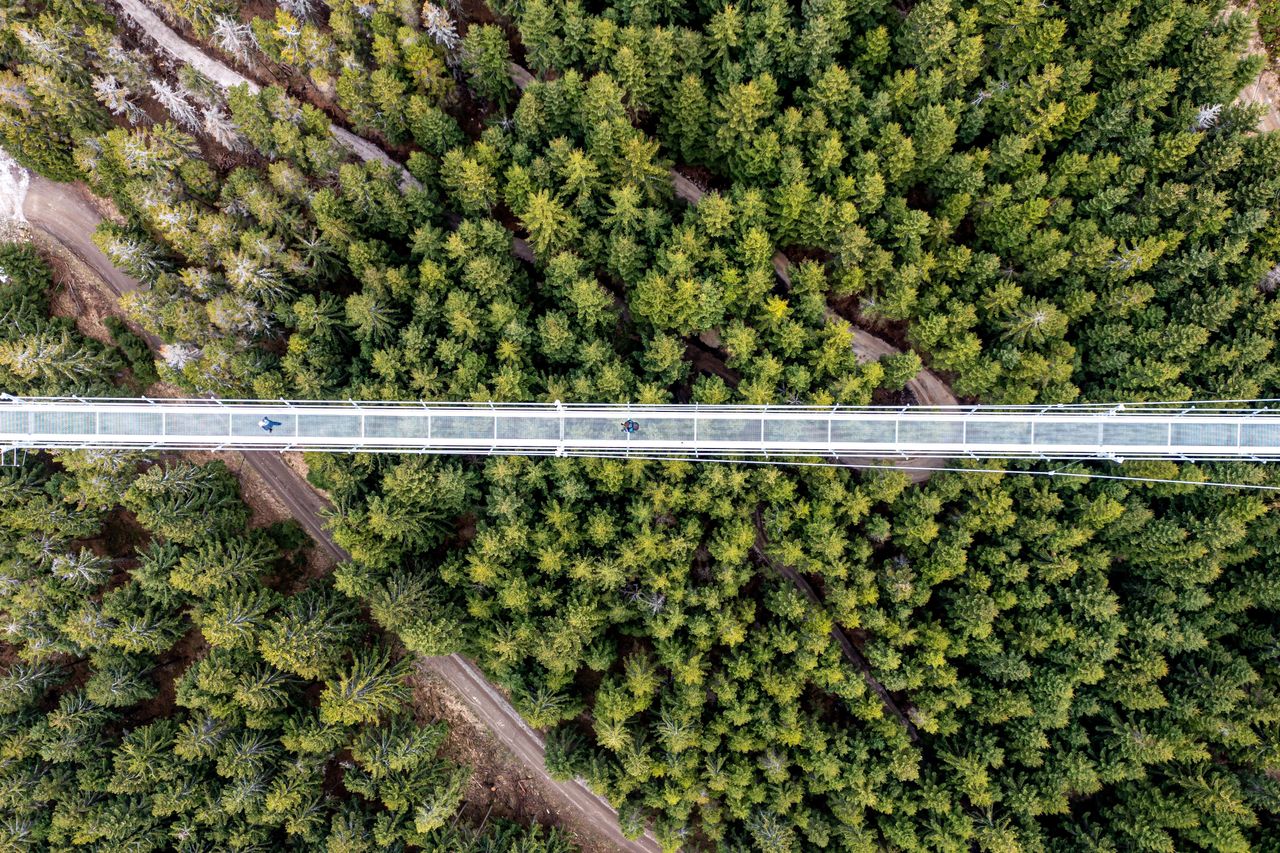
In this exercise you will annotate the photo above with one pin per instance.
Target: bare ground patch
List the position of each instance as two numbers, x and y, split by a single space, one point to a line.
298 464
78 297
75 296
1266 89
500 787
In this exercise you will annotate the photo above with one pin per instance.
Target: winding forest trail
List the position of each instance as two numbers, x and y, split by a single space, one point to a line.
927 388
177 47
64 214
1266 89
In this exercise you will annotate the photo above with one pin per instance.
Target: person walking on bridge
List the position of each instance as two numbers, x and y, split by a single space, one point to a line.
267 424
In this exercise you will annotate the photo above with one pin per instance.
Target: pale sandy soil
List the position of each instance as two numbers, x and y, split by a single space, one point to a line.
1266 89
84 304
499 787
298 464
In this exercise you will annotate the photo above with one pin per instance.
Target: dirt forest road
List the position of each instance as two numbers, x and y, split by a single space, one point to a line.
65 214
173 44
1265 90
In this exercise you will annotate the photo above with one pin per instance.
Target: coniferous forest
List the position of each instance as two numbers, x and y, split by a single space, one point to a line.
1032 201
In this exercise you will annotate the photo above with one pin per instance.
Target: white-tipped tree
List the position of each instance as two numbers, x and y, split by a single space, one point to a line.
440 27
116 97
174 100
234 39
51 358
139 258
22 685
84 569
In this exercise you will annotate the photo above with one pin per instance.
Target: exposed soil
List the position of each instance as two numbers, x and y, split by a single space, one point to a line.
478 12
106 207
265 72
1266 89
62 214
298 464
850 308
84 304
499 787
701 177
169 668
705 360
852 653
885 397
121 533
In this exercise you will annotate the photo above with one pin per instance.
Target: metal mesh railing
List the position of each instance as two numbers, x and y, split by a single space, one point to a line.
1148 431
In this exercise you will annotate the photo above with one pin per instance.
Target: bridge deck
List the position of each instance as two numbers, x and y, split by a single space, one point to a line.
673 430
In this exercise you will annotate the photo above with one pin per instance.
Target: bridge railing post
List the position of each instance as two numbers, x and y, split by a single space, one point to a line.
560 443
695 429
831 447
764 448
493 448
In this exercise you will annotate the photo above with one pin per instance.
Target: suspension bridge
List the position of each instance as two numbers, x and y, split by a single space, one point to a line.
1179 431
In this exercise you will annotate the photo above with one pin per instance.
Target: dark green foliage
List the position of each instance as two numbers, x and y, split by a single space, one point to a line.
137 354
1046 202
487 60
167 498
39 354
166 744
48 103
312 633
1269 27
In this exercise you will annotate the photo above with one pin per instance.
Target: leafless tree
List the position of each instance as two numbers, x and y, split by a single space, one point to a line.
116 97
179 356
174 100
234 39
439 25
1207 116
298 8
222 129
1270 282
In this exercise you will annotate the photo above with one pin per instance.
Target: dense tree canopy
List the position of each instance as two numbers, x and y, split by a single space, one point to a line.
1040 202
168 683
